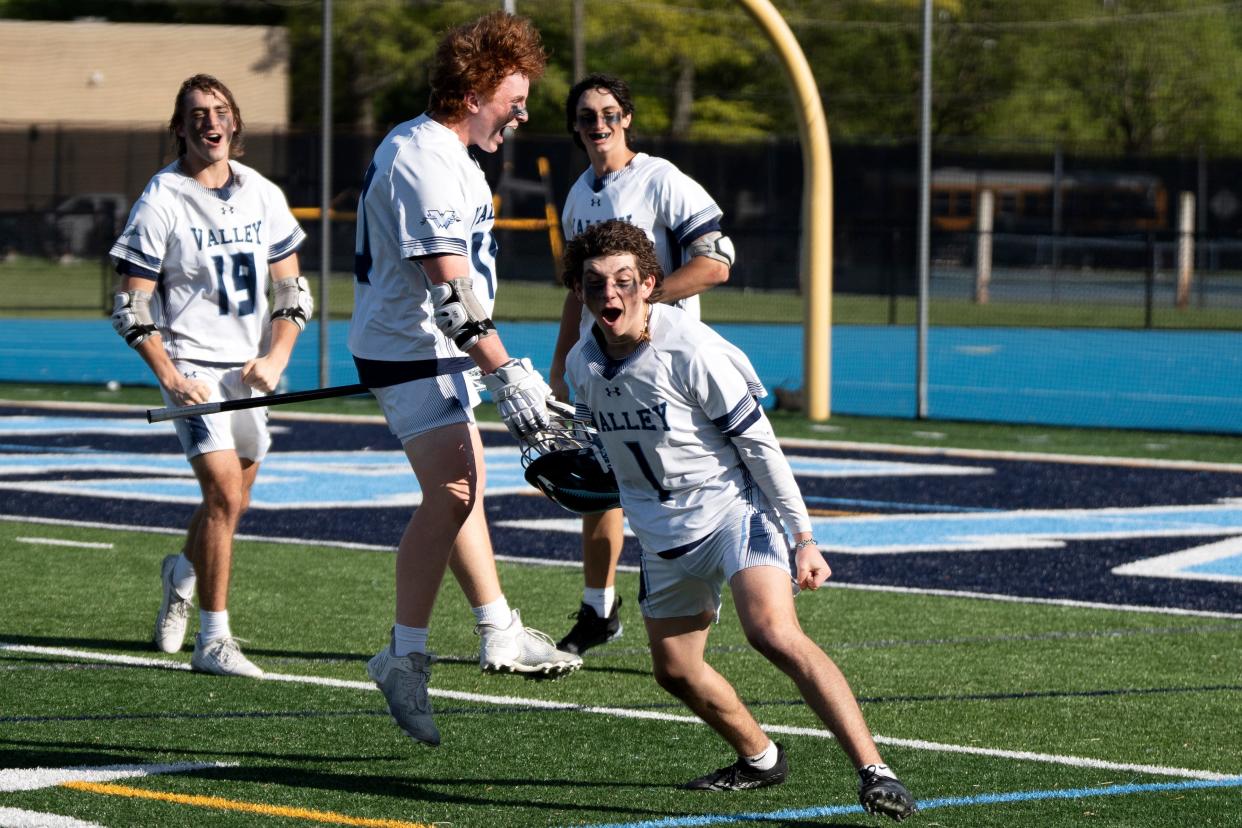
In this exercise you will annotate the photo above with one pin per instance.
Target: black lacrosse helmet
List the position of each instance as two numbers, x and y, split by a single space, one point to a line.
564 462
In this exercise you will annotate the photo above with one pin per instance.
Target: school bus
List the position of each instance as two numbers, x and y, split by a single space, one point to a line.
1101 203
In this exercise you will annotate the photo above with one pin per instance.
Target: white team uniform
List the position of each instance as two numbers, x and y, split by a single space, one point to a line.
209 258
692 450
423 195
671 207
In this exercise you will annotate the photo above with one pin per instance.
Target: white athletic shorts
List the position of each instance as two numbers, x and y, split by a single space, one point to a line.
688 580
244 431
418 406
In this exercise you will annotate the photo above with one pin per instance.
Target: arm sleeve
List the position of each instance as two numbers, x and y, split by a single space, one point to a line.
287 235
685 207
766 463
431 209
728 390
141 247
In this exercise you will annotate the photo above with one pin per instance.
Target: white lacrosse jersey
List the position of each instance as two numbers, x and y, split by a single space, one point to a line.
670 206
208 257
423 195
682 426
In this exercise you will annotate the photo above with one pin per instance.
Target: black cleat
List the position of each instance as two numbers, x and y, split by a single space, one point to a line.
740 776
884 795
590 630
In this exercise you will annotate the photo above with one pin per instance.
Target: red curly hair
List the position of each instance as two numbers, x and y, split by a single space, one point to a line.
477 57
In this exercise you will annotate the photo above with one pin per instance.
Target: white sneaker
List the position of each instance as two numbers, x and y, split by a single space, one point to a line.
403 681
222 657
170 621
519 649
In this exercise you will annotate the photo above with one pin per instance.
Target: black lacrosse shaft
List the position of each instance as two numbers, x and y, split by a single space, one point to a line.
156 415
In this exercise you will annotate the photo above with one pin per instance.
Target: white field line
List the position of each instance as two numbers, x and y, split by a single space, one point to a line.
19 818
625 713
31 779
60 542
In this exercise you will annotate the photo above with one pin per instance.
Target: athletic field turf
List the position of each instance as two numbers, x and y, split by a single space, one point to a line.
1036 641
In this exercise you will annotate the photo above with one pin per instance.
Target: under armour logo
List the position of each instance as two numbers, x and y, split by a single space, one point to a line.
612 391
595 202
444 219
225 209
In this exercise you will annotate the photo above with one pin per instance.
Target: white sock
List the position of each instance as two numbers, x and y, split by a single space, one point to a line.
496 614
213 625
599 600
765 759
183 578
406 640
878 770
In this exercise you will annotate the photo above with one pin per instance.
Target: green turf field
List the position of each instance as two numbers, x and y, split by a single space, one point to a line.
967 698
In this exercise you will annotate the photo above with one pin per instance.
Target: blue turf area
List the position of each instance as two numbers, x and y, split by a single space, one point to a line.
1160 380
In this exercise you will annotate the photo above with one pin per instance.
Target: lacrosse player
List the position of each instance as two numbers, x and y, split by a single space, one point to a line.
426 283
684 223
711 498
204 243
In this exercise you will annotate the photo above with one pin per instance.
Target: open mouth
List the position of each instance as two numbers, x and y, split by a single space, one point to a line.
610 315
599 136
213 138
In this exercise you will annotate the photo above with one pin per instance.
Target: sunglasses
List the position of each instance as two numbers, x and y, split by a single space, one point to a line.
590 119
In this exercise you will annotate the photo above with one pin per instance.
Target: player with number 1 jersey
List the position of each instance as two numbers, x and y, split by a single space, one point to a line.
208 252
683 222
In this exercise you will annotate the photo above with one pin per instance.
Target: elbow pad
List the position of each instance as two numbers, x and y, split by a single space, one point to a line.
713 245
131 316
292 301
458 314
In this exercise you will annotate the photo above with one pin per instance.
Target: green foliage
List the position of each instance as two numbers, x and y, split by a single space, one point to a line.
1129 76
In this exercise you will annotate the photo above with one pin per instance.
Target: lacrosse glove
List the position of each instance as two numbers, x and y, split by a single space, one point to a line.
521 397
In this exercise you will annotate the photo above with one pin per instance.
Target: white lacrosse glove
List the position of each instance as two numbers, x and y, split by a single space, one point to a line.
521 397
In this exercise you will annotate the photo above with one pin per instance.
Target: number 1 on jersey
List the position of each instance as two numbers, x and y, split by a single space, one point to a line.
244 279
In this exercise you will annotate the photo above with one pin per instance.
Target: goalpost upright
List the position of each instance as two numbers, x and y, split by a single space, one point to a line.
816 242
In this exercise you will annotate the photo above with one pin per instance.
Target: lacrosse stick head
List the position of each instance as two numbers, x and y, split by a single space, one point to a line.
566 463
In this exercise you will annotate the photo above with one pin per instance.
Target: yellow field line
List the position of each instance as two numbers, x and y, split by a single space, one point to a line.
245 807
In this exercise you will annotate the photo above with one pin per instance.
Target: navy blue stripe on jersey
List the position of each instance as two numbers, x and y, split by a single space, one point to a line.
128 268
198 429
286 247
379 373
704 221
677 551
642 580
599 361
582 413
673 244
745 414
434 246
144 262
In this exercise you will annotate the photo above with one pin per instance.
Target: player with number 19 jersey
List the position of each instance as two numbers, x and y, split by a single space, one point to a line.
675 418
432 198
651 193
208 252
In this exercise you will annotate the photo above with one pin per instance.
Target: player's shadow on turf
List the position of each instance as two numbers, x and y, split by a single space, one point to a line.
48 753
424 789
120 644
